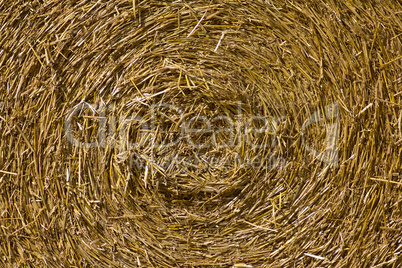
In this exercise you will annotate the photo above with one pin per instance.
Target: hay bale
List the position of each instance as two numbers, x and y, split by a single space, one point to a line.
200 133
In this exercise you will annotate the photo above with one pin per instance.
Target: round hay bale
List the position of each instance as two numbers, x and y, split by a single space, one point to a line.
200 133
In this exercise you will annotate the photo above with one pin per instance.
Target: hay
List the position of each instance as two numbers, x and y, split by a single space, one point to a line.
85 71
